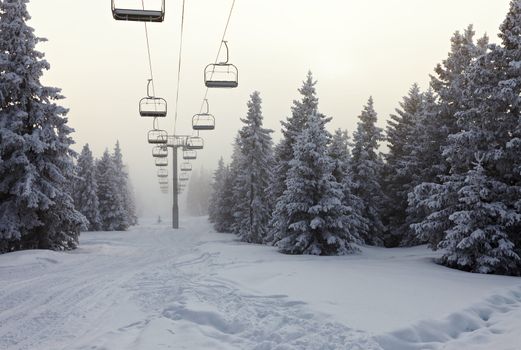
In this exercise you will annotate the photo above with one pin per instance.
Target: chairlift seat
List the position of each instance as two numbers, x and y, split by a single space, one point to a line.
159 152
203 121
221 75
161 161
138 15
194 143
221 84
152 107
189 155
186 167
156 136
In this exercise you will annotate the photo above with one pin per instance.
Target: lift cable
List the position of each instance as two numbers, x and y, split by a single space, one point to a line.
219 51
179 65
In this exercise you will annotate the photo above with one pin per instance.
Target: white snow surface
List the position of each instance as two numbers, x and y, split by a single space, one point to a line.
155 288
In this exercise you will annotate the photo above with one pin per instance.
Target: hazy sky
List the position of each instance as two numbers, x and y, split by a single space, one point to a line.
354 48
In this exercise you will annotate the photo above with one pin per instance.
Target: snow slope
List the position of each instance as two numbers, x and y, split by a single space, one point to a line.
153 288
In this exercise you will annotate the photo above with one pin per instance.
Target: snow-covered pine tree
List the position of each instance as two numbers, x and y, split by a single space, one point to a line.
36 159
310 215
291 128
86 189
122 187
478 240
253 175
367 168
342 172
398 180
111 202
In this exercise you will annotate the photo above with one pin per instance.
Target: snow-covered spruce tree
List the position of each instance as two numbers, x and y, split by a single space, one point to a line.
398 180
253 175
433 201
291 128
310 215
86 189
122 186
36 161
478 240
111 202
342 172
367 168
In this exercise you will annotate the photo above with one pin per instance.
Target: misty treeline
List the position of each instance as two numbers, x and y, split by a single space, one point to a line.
41 197
102 192
451 177
198 194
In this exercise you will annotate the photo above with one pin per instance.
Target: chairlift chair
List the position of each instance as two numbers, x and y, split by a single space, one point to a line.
203 121
189 154
186 166
151 106
139 15
156 136
194 142
184 176
160 152
161 161
221 75
162 172
163 181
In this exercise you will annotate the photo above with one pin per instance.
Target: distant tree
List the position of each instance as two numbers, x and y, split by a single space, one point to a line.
367 167
310 216
253 209
122 186
111 202
86 189
36 159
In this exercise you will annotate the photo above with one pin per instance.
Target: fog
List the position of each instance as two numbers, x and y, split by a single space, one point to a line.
354 48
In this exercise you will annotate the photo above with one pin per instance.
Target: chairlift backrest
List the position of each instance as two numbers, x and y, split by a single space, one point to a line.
161 161
194 142
140 15
160 152
156 136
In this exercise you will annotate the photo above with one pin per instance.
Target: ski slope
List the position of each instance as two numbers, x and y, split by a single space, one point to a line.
154 288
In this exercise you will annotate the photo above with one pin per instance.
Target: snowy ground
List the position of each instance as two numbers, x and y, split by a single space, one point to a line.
153 288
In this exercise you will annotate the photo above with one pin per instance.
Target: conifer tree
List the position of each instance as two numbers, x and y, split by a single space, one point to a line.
342 172
36 161
291 128
367 168
86 189
478 239
310 216
214 205
398 180
253 175
122 186
111 202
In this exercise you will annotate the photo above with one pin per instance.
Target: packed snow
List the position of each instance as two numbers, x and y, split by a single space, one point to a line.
156 288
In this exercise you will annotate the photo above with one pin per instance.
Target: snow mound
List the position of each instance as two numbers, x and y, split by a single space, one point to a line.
487 325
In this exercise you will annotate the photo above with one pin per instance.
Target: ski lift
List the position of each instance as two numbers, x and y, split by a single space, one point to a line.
194 142
159 152
162 172
186 166
161 161
184 176
203 121
156 136
189 154
163 181
221 75
138 15
152 106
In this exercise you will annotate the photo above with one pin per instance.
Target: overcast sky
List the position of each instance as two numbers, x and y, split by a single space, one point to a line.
355 48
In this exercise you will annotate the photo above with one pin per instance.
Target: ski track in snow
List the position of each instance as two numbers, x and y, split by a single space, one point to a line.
160 293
